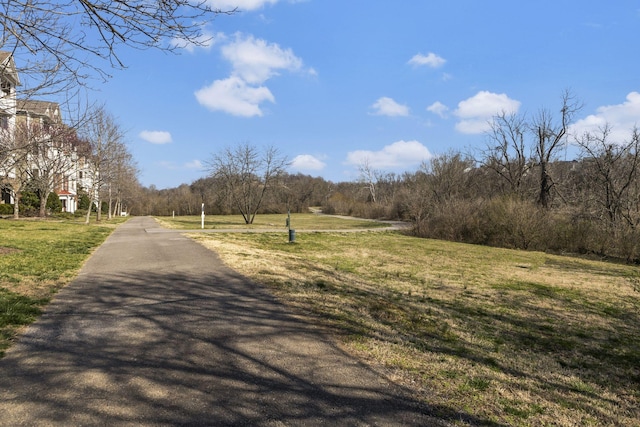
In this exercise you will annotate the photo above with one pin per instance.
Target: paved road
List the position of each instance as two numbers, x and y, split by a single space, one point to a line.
156 331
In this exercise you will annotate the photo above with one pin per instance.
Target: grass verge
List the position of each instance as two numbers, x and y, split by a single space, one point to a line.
37 258
484 336
272 221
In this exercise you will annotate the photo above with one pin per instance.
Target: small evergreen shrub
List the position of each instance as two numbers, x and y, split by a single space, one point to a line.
6 209
54 204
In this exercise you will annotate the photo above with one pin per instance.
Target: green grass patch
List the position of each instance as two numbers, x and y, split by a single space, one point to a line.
37 257
507 337
15 311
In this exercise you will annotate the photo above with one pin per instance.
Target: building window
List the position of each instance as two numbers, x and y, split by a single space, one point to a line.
6 87
4 122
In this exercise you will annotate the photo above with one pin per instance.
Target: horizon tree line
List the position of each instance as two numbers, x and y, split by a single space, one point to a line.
515 192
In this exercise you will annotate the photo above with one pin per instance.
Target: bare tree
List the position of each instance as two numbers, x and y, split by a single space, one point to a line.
15 167
449 176
507 153
52 160
419 200
437 193
248 173
613 170
106 139
120 175
369 177
550 136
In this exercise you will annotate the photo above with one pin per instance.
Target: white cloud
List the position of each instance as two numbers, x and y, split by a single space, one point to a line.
307 162
431 60
438 108
234 96
388 107
400 154
476 112
256 61
156 136
622 118
194 164
244 5
206 41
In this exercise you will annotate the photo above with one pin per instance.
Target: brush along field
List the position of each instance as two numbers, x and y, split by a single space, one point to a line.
485 336
37 258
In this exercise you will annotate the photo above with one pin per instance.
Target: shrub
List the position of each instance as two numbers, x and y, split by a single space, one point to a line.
29 203
84 202
53 203
6 209
515 223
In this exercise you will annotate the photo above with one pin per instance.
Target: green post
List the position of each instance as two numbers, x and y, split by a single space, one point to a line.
292 233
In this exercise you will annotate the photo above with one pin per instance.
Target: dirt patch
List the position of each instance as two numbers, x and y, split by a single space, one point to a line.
7 251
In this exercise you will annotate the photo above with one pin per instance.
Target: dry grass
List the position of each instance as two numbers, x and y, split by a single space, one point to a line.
272 221
485 336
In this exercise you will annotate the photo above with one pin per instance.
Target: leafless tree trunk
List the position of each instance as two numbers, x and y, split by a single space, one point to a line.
507 154
53 155
449 176
9 155
550 136
120 169
105 138
613 170
18 151
369 177
247 174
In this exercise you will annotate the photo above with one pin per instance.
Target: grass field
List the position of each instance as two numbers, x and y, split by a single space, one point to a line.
273 221
38 257
485 336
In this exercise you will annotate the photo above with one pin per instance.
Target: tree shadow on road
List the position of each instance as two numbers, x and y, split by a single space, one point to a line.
189 349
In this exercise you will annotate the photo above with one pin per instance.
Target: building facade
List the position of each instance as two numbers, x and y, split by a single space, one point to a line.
36 146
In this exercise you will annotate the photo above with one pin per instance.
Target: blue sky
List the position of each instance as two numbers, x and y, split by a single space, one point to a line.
333 84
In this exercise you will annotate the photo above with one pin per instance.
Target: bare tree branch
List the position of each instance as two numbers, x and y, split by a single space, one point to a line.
63 43
551 135
248 174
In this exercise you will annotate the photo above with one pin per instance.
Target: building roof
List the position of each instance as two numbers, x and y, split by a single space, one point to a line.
8 67
44 109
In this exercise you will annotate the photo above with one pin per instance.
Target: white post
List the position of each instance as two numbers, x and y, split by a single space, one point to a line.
203 216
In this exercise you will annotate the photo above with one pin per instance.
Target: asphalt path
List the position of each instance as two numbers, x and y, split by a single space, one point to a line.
155 330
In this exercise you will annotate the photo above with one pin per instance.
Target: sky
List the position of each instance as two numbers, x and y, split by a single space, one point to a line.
336 84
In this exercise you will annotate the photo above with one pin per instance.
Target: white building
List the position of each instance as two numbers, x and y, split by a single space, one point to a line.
35 144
